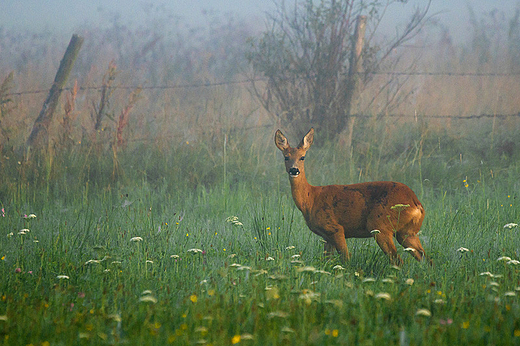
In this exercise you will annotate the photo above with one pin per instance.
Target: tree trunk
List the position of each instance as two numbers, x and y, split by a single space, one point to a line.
353 81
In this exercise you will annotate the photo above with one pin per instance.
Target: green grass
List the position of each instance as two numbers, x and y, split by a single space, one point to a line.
203 298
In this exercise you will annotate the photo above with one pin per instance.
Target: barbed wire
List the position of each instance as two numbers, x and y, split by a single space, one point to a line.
446 116
215 84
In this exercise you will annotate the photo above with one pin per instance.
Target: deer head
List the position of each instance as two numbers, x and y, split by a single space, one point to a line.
294 157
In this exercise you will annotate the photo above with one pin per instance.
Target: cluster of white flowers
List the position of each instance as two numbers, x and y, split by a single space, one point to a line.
234 221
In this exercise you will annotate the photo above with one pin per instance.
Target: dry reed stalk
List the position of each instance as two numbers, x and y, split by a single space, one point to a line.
106 92
70 115
123 117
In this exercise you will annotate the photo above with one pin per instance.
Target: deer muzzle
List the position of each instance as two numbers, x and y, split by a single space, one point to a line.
294 172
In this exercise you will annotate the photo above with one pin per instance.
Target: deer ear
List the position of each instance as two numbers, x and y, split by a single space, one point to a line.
307 140
280 140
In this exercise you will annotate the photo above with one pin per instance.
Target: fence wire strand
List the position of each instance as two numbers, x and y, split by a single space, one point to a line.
243 81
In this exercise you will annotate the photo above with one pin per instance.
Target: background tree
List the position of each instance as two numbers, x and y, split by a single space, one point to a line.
306 54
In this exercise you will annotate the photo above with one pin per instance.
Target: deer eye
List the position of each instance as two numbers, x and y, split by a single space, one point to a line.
302 158
287 158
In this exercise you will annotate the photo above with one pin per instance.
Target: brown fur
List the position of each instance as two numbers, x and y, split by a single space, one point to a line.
337 212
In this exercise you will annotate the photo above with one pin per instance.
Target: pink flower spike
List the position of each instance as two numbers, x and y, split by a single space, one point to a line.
18 270
29 272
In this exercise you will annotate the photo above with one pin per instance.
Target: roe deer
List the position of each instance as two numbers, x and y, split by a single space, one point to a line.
337 212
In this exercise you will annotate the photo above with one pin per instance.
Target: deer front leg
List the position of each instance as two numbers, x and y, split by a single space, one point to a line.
385 240
338 241
327 250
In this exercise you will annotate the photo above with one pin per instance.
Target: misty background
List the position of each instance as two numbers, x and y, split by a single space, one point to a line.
166 86
68 16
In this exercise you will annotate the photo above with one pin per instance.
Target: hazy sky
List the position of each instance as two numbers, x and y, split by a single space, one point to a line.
68 15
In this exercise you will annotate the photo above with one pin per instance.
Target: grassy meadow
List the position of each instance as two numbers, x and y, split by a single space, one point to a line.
173 223
236 263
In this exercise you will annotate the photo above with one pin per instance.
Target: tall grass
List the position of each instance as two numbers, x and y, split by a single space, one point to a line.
270 295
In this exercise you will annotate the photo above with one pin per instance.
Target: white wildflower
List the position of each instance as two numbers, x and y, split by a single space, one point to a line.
295 256
510 225
115 317
243 268
515 262
504 258
194 251
247 336
148 298
322 272
175 256
269 258
261 272
462 249
409 282
375 231
338 267
409 249
306 269
383 295
65 277
308 295
510 294
234 221
369 280
136 239
280 314
423 312
290 247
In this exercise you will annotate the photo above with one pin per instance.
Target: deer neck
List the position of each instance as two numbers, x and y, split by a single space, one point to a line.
302 192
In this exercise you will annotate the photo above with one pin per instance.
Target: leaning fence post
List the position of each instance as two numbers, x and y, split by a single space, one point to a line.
39 136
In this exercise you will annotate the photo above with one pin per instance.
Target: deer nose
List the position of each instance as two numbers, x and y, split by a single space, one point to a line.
293 171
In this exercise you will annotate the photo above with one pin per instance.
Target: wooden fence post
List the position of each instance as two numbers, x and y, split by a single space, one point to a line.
39 136
353 79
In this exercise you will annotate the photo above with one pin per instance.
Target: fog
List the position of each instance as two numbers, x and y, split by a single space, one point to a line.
66 16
